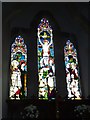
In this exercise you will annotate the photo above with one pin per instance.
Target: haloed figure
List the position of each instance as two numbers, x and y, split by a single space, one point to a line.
45 44
16 80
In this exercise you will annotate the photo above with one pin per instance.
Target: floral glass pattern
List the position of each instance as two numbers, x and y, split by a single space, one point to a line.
46 65
18 69
72 71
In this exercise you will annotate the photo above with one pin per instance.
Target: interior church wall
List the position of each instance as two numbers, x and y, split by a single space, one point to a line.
19 18
0 60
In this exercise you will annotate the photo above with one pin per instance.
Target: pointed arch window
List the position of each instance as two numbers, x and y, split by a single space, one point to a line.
46 65
18 67
72 71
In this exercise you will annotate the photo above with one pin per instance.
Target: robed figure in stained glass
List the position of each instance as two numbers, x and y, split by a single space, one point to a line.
72 71
46 65
18 68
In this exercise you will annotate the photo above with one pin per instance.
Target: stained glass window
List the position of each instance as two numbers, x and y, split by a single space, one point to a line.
18 67
46 65
72 71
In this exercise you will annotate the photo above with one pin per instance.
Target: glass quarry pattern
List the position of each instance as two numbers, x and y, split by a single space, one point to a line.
18 69
46 65
72 71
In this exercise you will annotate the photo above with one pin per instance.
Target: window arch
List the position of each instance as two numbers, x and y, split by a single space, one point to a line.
46 65
72 71
18 67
